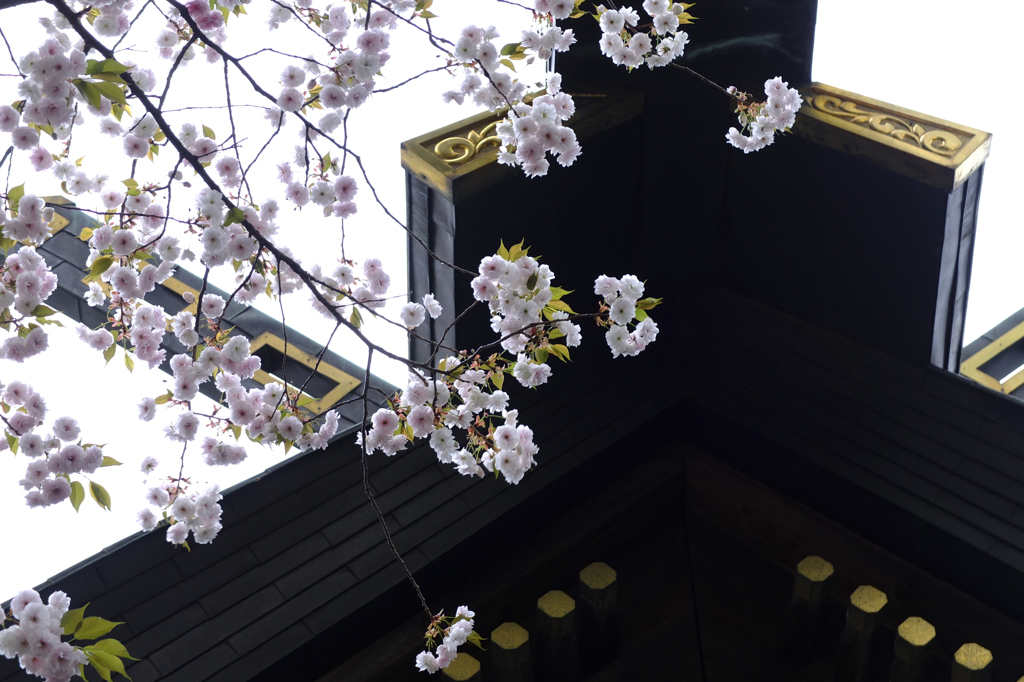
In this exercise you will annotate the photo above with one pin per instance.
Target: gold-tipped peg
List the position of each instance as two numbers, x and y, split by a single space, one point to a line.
972 663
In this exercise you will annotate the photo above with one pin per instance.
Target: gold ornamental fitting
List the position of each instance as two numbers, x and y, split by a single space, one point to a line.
464 668
916 631
556 614
509 636
973 656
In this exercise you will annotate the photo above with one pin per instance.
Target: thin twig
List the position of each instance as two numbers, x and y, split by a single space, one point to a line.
11 52
174 66
373 500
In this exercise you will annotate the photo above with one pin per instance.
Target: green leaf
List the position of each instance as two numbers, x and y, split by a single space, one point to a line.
109 462
531 282
109 352
93 67
70 620
325 162
641 315
560 305
104 672
558 292
99 266
540 355
42 311
12 442
109 77
14 196
94 627
164 398
476 640
560 350
77 494
92 94
130 183
107 659
7 244
235 215
85 234
112 646
509 49
355 318
502 251
208 132
517 252
509 64
128 362
237 430
102 497
111 91
498 379
428 15
648 303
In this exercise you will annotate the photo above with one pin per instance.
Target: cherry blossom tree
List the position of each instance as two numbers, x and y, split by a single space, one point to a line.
173 195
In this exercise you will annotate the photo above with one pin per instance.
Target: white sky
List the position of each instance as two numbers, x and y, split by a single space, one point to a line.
97 393
913 57
957 62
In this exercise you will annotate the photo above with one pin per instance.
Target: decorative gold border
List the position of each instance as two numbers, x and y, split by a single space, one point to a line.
346 382
930 149
971 366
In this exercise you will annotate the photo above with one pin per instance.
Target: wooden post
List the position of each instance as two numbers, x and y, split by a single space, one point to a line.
556 644
600 621
972 663
855 659
911 648
510 653
811 586
464 668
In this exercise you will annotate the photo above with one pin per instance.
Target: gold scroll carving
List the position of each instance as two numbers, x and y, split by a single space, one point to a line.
926 148
937 140
458 150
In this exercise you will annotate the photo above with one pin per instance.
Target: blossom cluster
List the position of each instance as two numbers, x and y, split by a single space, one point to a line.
534 129
465 393
25 282
762 120
622 297
35 640
457 633
196 513
55 457
626 45
516 293
533 126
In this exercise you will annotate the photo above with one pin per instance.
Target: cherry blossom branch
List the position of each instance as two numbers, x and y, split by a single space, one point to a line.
409 80
181 470
710 82
196 31
174 67
319 359
122 214
131 23
516 4
303 22
284 54
11 52
91 42
373 500
234 132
